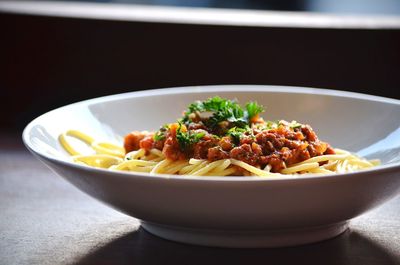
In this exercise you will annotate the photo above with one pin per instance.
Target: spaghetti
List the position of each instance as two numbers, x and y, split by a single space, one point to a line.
217 137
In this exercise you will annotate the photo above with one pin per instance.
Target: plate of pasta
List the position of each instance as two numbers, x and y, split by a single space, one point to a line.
229 166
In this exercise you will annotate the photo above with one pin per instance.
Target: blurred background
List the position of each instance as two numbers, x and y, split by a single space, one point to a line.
58 52
328 6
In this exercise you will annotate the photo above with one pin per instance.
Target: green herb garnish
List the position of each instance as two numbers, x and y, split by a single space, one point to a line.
187 139
271 125
225 113
236 133
294 124
253 109
160 134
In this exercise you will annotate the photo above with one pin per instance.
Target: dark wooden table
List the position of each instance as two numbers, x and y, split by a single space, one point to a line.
45 220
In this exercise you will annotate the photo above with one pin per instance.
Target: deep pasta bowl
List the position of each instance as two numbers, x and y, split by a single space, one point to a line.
234 211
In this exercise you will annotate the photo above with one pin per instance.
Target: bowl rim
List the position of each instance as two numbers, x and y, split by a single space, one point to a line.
204 89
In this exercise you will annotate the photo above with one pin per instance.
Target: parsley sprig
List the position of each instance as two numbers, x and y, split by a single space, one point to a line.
253 109
236 133
224 110
188 138
161 133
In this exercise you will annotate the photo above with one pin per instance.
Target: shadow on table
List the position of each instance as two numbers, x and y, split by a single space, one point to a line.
143 248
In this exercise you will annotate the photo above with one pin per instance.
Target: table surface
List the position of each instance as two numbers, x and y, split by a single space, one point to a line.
46 220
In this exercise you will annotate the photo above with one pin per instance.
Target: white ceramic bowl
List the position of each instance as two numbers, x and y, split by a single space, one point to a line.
234 211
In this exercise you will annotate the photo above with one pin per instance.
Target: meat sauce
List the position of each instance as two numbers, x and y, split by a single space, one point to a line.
259 146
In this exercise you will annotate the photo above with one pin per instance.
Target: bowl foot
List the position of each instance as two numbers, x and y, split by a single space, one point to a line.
246 238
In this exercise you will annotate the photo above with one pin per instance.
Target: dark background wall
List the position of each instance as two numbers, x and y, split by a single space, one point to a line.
46 62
